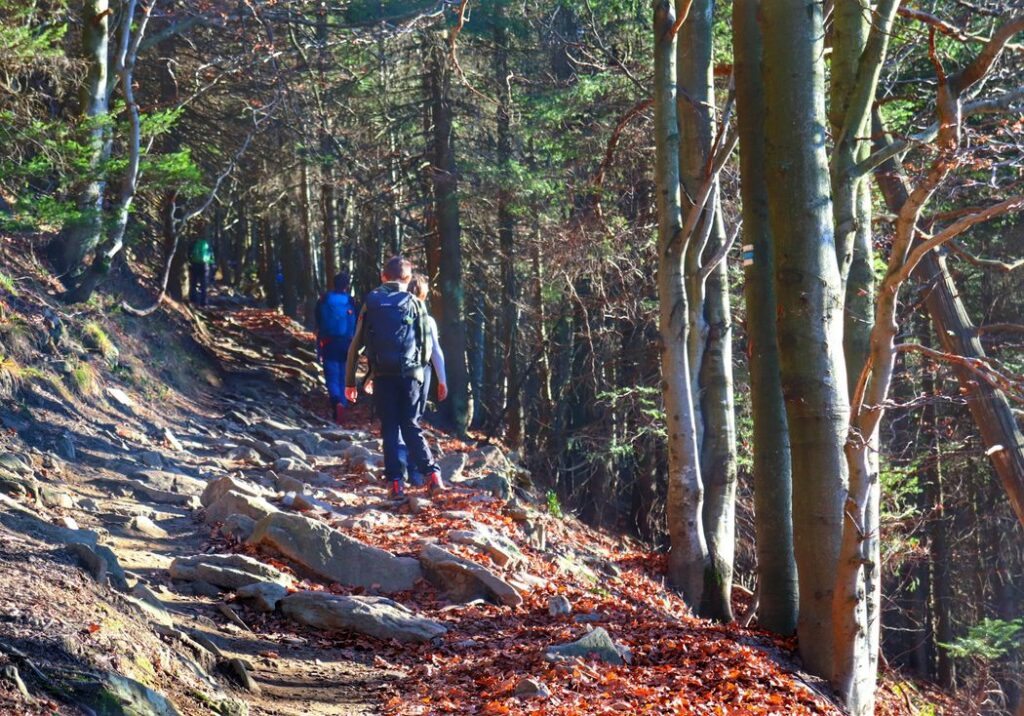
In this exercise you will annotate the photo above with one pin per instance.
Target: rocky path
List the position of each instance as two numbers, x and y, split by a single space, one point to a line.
237 554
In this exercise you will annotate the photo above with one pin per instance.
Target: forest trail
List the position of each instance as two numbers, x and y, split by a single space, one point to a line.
489 580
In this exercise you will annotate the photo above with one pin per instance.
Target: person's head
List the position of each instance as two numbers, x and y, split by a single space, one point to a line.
397 269
342 282
419 286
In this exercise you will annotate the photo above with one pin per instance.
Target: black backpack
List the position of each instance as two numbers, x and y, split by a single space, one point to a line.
395 336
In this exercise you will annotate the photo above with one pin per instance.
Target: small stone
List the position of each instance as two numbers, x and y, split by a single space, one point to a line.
146 526
532 689
265 595
597 644
56 497
151 458
236 503
171 440
236 671
120 398
244 454
558 606
144 593
239 527
417 505
67 522
285 464
494 483
224 484
283 448
452 466
65 447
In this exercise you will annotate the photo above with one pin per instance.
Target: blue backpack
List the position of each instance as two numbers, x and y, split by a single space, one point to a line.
338 316
394 331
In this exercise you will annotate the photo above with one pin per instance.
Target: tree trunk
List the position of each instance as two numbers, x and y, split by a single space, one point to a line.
451 322
711 324
511 318
81 236
689 559
773 510
810 304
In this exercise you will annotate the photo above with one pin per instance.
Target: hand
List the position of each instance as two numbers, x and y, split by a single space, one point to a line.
351 394
368 387
442 391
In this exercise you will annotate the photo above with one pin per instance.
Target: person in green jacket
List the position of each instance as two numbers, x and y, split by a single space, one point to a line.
200 262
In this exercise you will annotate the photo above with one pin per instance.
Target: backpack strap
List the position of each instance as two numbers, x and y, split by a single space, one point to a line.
422 331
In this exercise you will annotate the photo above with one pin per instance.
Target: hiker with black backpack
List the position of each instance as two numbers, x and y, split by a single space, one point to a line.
200 261
335 327
394 329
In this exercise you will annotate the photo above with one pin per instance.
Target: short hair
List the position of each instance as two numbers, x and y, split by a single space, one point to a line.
419 286
398 268
342 281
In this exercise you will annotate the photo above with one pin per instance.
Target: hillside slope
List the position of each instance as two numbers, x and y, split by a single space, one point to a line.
181 533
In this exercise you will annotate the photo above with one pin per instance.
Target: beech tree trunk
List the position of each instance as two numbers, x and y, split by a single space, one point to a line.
688 559
710 320
810 305
78 239
773 512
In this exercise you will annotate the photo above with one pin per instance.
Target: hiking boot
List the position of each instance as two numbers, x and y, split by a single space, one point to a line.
395 490
435 484
339 414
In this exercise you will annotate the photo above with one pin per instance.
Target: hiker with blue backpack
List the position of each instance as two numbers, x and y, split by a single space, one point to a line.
336 314
394 329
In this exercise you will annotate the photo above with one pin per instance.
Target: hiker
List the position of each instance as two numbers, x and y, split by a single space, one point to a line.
335 326
419 287
394 329
200 261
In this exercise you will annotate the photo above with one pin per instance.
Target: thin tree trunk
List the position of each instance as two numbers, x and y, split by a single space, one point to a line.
810 303
773 510
710 327
689 559
451 323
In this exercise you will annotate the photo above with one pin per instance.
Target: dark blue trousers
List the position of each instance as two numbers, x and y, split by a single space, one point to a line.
398 402
334 355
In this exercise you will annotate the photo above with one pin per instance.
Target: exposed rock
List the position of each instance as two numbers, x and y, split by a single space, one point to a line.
559 605
596 643
171 439
151 458
238 526
244 453
225 570
489 457
223 484
65 446
283 448
360 456
167 487
497 485
452 465
67 522
115 695
417 504
516 511
374 616
18 464
367 520
457 515
464 580
56 497
334 555
265 595
120 398
236 671
141 591
287 483
237 503
146 526
289 464
501 549
531 689
201 588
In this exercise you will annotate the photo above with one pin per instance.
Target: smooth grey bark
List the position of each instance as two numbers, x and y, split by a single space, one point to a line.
688 559
773 510
710 337
810 305
70 250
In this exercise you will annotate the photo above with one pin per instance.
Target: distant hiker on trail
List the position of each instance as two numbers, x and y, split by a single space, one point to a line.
200 261
336 314
394 329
